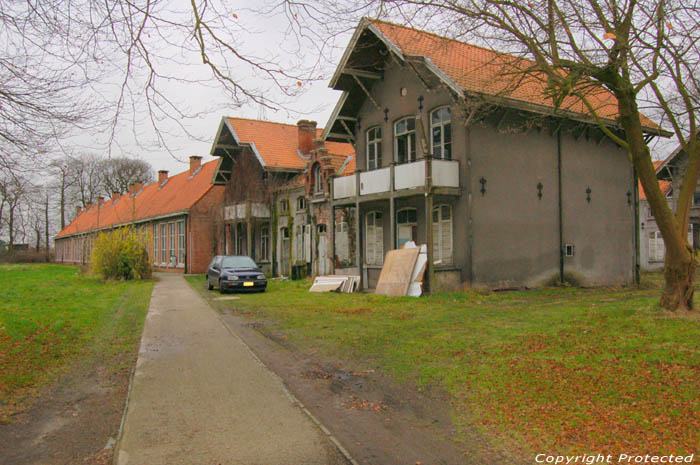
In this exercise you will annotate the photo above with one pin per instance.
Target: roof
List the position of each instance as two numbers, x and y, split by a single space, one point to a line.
178 194
482 71
276 144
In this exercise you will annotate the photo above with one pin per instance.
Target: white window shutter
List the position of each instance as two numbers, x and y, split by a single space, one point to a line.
307 242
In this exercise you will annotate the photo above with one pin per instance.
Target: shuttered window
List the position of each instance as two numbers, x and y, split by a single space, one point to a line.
374 241
442 235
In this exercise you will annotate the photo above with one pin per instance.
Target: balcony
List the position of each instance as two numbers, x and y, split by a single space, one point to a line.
406 176
245 210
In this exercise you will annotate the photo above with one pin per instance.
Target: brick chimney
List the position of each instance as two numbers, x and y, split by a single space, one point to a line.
77 211
100 201
307 134
162 176
115 195
195 163
88 206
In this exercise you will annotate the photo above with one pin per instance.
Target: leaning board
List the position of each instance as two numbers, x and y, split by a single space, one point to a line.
397 272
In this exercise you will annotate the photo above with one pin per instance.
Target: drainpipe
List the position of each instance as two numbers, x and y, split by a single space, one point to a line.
561 214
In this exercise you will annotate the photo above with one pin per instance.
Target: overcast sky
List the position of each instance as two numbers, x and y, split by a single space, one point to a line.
266 37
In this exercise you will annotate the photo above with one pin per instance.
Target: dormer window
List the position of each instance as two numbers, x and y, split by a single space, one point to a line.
405 140
374 148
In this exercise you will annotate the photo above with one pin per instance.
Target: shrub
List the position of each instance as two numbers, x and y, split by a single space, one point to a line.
121 254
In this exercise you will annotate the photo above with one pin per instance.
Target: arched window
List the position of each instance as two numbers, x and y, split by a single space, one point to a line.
301 203
406 225
442 234
318 178
405 140
441 133
374 238
374 148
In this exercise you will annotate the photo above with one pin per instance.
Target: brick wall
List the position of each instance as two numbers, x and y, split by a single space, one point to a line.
204 230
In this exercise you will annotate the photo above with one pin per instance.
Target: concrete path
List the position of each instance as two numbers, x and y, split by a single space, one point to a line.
199 396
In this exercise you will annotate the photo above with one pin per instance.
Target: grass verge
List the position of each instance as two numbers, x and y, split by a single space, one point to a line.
53 315
562 370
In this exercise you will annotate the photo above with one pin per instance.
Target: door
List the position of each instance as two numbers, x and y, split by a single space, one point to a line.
324 263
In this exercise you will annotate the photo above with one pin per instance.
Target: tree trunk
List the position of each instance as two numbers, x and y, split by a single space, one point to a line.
679 273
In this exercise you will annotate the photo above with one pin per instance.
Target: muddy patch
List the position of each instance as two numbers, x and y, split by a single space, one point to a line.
74 421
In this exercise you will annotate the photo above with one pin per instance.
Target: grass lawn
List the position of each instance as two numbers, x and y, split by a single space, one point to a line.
559 370
53 315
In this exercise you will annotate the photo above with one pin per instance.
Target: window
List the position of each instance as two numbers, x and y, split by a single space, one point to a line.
405 140
321 228
284 206
657 249
442 234
374 148
171 241
301 203
374 242
318 178
650 214
341 227
406 225
181 242
265 243
163 245
441 133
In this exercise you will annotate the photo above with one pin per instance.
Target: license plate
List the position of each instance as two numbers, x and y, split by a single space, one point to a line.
248 284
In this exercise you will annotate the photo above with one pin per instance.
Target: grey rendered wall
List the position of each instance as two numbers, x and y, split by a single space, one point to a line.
515 234
601 230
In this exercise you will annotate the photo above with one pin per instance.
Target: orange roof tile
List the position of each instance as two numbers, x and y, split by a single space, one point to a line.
664 185
179 193
480 70
277 143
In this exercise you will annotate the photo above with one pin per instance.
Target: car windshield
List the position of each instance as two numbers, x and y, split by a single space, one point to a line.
238 262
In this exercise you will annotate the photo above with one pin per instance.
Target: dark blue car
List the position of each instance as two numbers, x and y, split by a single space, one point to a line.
235 273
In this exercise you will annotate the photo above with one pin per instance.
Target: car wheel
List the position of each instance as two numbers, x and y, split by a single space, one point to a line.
209 286
221 289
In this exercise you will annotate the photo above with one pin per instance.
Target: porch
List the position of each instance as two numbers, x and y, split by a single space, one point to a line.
247 232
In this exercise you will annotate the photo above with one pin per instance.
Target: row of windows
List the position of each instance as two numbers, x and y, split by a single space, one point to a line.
169 243
405 139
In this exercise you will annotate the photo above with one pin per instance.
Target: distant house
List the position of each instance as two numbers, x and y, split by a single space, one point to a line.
276 199
506 191
670 173
178 214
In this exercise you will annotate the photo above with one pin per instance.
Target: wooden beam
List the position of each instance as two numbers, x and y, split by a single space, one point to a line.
502 119
362 73
347 118
348 130
340 136
362 86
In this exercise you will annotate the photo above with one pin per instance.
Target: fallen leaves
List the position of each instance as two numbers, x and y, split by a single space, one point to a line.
355 403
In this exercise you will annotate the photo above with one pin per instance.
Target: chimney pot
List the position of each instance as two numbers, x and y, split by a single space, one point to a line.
195 163
162 176
307 134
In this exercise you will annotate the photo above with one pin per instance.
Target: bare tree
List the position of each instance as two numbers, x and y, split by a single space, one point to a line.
15 194
645 52
62 60
118 173
84 172
61 182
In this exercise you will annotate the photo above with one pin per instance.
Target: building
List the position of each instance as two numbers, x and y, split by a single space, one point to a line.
506 191
177 214
276 205
670 173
